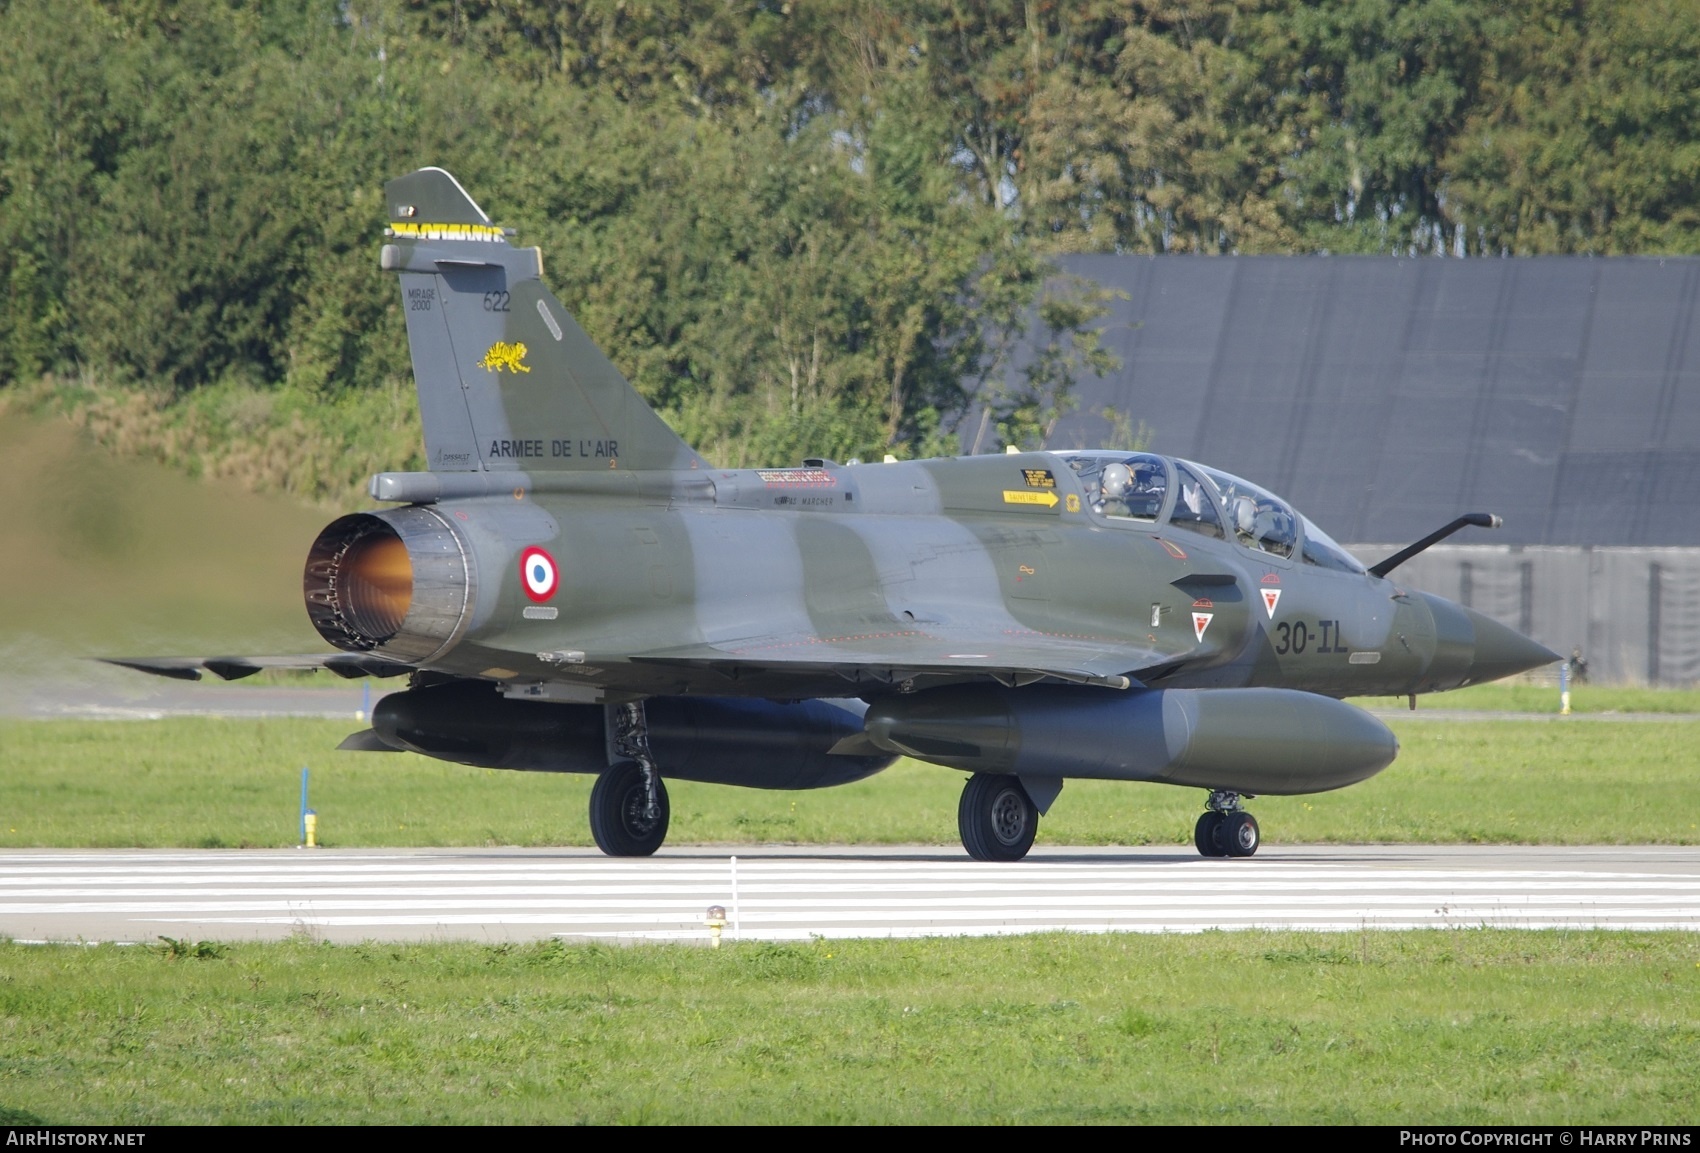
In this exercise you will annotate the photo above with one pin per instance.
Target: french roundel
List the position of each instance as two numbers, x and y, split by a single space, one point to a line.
537 574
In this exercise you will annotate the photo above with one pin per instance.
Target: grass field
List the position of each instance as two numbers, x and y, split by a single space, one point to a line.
1527 697
215 782
1437 1027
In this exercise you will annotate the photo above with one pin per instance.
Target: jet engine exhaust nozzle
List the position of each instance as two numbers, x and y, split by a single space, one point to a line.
395 582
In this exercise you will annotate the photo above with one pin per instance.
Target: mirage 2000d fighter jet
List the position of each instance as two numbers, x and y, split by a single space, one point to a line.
571 588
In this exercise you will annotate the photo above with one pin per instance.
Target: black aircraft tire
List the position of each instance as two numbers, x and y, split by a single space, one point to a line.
996 817
616 813
1204 834
1238 835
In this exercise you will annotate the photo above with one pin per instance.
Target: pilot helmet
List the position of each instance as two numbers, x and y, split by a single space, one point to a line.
1115 482
1245 514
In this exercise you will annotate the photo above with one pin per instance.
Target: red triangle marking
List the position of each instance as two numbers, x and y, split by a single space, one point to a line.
1200 622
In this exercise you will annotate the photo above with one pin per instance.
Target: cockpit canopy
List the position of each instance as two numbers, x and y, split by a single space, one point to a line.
1145 487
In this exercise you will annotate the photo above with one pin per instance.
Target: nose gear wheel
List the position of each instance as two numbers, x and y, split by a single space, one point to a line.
1204 834
1225 829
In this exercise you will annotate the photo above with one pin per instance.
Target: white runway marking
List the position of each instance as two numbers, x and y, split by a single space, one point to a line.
793 894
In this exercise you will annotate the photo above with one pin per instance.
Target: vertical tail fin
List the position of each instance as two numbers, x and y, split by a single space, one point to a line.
506 377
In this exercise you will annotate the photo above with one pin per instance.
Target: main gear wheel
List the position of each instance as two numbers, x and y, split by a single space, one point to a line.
622 819
996 817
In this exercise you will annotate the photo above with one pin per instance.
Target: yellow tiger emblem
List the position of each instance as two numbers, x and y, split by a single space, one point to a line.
504 355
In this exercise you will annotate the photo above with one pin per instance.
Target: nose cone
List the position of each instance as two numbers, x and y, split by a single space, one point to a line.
1502 652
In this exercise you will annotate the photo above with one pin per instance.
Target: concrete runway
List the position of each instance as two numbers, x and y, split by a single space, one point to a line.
111 694
797 893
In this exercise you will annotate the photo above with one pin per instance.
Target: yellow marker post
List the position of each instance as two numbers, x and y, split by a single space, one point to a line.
1044 496
716 921
312 829
304 809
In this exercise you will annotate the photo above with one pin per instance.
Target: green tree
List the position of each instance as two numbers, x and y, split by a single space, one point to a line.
1585 139
60 139
801 229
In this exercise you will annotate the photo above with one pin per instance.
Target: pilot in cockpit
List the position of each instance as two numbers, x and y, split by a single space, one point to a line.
1113 488
1246 526
1263 524
1131 490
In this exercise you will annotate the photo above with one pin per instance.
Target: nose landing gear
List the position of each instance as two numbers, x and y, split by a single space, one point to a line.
1225 829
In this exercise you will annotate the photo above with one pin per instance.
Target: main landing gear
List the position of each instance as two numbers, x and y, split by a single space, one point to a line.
628 806
1225 829
996 817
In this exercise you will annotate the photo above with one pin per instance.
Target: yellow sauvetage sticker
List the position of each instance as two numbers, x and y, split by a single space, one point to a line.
1020 496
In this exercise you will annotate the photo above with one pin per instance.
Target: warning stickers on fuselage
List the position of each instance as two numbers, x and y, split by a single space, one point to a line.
797 478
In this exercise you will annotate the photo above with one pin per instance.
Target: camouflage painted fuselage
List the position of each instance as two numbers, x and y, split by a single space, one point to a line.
862 579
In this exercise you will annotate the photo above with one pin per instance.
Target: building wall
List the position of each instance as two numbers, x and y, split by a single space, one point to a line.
1634 612
1385 396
